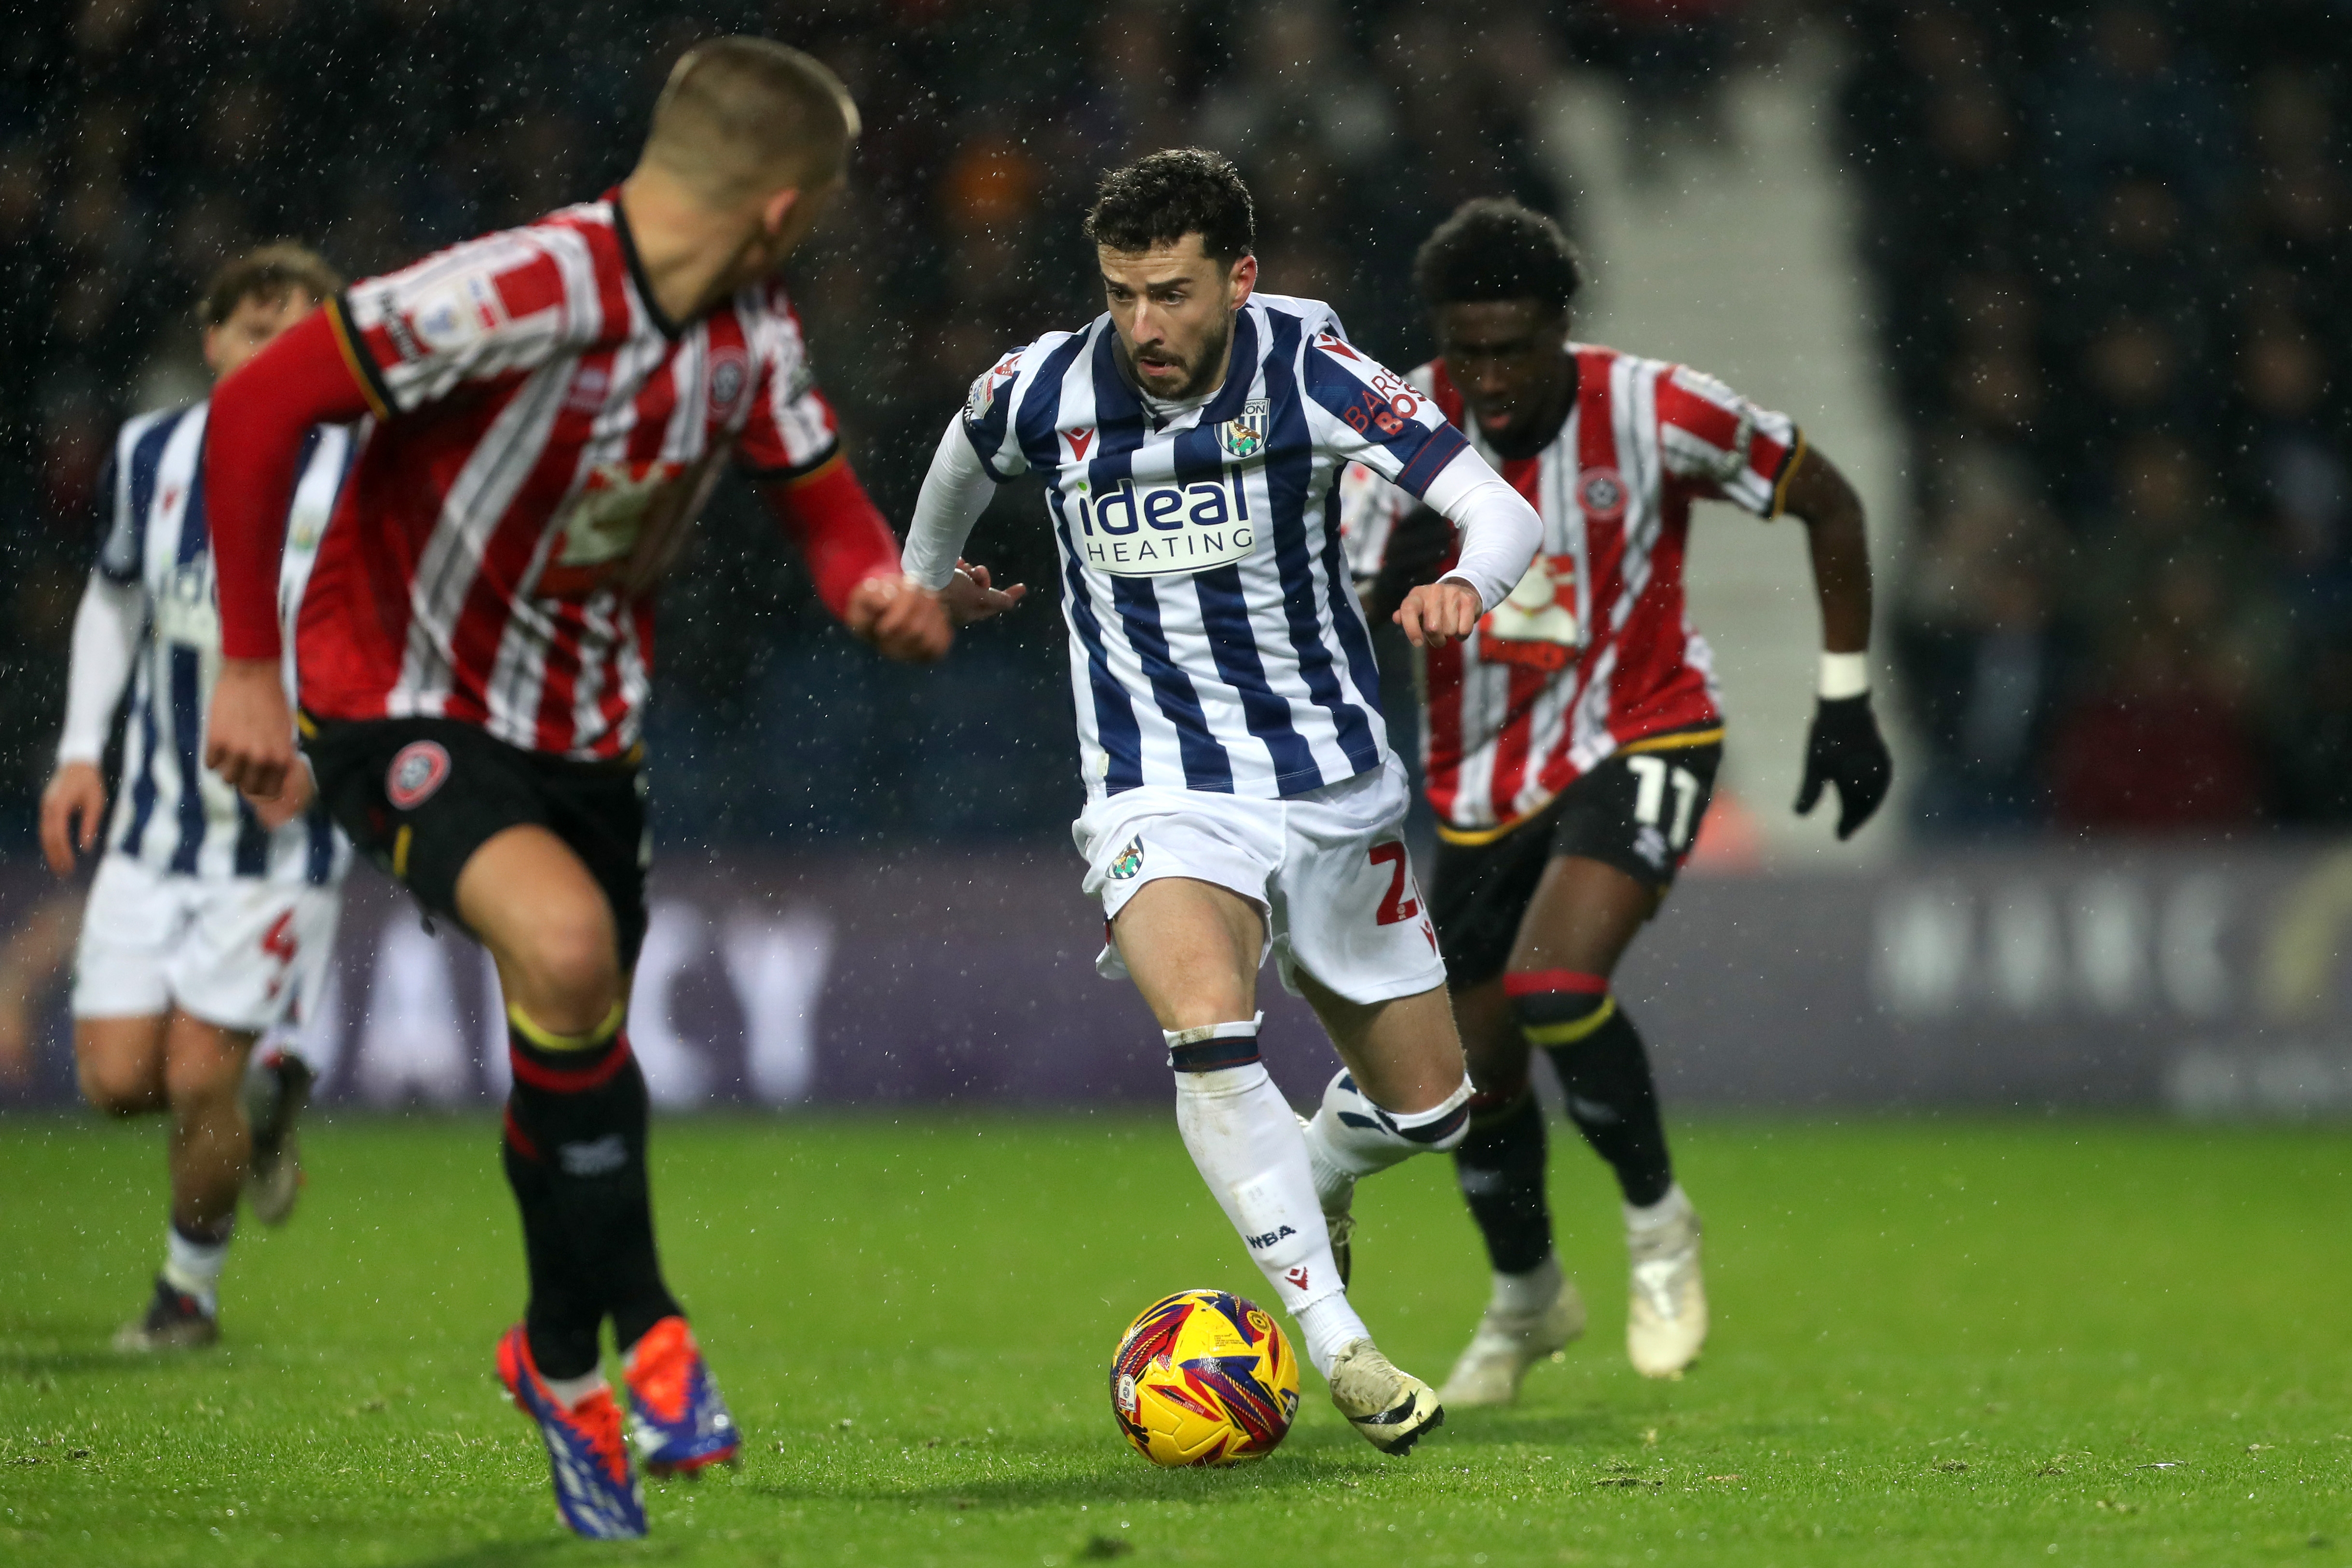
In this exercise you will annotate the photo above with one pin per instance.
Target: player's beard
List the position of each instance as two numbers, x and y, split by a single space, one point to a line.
1199 368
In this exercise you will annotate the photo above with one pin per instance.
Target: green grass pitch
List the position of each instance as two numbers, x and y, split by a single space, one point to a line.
1935 1342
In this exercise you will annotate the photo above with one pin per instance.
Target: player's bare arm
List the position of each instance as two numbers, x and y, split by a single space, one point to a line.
1844 747
1817 495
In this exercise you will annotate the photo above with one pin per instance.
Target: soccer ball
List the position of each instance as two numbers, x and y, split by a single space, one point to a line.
1204 1377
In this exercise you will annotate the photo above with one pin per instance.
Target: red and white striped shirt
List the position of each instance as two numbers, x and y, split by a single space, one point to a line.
1594 648
542 439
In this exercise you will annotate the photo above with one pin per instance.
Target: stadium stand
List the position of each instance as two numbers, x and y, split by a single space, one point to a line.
2104 243
2100 236
380 131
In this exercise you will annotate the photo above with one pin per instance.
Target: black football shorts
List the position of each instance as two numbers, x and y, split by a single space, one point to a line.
419 796
1639 811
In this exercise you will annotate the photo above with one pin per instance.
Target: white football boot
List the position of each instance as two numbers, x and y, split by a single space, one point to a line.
1665 1317
1506 1344
1390 1407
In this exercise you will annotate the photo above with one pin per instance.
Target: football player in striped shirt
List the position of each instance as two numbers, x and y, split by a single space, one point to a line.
544 412
210 921
1571 740
1241 795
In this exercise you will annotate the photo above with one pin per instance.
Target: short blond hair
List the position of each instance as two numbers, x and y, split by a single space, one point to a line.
740 114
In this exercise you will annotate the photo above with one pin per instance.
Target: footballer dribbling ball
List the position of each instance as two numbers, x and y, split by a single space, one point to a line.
1204 1377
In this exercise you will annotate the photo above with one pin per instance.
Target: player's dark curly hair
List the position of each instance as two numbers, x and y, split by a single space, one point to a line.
1491 248
1162 196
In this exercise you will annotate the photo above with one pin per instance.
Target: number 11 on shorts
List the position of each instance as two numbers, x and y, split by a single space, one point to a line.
1654 774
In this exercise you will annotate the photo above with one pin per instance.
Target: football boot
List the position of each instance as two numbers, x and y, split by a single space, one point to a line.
275 1089
1507 1344
676 1419
1390 1407
1666 1315
597 1491
174 1320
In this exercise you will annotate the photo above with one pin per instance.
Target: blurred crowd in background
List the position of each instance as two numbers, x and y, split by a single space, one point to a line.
2110 250
2102 243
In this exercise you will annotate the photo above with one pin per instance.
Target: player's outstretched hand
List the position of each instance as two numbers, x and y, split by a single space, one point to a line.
901 618
1437 613
72 807
971 597
250 736
1846 749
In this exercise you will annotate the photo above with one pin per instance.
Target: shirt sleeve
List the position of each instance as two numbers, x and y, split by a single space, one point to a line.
1362 410
1721 445
105 632
122 533
1370 508
988 422
955 493
499 305
792 429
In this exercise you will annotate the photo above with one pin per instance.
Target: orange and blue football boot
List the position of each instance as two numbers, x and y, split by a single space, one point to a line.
679 1422
596 1491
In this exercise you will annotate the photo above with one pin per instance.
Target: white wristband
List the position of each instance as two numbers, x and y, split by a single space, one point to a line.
1844 675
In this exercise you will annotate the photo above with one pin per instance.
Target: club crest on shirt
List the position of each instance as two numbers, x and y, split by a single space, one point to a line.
730 378
1600 493
1243 437
417 771
1129 861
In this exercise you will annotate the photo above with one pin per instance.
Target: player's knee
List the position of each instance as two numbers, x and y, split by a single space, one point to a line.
118 1088
202 1078
570 966
119 1063
1554 1008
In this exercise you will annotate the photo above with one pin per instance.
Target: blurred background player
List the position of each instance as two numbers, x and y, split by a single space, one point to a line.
1571 743
210 920
1242 798
547 409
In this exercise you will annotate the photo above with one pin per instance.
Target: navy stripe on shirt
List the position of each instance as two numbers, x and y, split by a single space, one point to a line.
1289 468
187 723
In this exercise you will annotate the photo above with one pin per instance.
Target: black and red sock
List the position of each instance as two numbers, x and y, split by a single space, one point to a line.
1500 1166
574 1151
1605 1070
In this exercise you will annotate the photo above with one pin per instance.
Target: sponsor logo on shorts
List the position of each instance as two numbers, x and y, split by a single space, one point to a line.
421 768
1129 861
1651 845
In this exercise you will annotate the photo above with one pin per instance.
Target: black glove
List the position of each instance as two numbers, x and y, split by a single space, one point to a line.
1846 749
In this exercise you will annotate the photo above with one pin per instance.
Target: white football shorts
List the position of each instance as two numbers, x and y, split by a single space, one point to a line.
1328 869
238 952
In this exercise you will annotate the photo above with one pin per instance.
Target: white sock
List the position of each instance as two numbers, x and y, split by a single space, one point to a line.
193 1268
1663 1213
571 1391
1351 1138
1248 1145
1521 1295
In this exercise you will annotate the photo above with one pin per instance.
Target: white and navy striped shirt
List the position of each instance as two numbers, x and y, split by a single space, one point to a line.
1216 641
173 813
